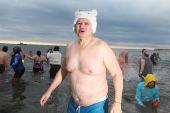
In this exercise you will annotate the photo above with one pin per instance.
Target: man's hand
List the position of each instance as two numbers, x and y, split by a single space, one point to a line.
6 70
45 98
116 108
139 74
26 55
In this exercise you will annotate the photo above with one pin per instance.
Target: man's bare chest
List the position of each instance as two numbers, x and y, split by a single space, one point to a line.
88 63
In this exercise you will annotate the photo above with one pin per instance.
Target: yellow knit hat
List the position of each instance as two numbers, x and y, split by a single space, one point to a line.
149 78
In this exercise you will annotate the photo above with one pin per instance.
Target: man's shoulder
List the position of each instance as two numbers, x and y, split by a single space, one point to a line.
7 55
140 57
4 53
101 43
22 53
55 52
71 43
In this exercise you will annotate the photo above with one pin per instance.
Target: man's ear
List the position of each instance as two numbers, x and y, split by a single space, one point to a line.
75 29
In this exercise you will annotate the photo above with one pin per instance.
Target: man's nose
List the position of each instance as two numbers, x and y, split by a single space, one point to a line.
82 25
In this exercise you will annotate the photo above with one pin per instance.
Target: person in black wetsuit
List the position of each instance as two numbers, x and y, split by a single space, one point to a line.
153 59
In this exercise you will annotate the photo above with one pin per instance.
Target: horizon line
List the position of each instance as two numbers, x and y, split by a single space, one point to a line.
59 44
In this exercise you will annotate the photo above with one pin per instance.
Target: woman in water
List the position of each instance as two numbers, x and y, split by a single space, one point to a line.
121 61
17 65
38 62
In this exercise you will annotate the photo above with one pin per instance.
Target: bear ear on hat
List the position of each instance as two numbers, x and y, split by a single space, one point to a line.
78 12
94 12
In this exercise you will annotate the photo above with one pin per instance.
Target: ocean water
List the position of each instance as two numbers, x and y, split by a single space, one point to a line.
25 96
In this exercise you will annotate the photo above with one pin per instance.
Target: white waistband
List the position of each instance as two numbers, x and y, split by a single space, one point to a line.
102 99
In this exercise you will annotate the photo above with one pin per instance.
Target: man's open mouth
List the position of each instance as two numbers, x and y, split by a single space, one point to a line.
81 31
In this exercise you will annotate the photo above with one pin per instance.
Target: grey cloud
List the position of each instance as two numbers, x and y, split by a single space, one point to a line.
119 21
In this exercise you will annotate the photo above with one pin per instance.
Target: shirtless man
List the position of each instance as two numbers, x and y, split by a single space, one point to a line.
86 60
30 54
157 57
3 59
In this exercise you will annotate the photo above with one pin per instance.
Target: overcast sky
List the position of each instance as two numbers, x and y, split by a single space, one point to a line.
134 23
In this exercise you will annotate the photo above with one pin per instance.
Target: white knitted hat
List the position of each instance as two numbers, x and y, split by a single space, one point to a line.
90 15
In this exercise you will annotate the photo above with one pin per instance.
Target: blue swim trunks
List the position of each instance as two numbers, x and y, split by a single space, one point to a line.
100 107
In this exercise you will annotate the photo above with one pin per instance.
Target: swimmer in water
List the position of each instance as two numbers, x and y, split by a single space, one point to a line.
121 61
147 91
30 54
38 62
17 65
3 59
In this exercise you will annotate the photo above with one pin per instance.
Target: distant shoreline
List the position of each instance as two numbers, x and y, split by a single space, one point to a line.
41 43
161 49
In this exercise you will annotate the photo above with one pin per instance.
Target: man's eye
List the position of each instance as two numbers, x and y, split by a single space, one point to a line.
78 23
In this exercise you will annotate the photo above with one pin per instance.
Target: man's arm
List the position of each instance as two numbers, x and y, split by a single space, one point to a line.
48 55
139 60
60 76
159 57
142 65
6 61
32 58
44 59
11 53
24 54
112 65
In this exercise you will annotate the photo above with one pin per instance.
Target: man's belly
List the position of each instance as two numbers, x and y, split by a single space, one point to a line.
88 95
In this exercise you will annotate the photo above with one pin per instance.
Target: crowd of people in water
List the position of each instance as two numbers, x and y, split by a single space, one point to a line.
146 90
123 58
53 56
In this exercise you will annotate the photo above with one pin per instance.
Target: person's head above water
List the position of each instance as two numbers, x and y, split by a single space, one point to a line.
150 81
56 48
90 15
144 50
5 49
38 52
16 49
145 55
